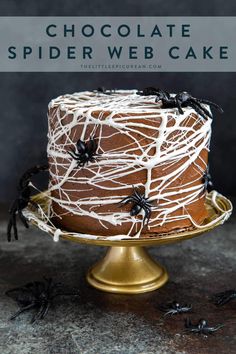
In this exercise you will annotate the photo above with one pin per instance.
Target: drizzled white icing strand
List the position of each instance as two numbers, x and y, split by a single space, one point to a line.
41 219
164 140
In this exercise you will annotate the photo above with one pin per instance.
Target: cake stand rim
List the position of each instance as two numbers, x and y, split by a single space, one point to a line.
152 241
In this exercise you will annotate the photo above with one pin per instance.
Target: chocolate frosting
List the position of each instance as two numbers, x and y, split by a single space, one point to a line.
160 152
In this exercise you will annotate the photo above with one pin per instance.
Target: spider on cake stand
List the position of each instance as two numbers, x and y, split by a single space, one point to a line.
127 268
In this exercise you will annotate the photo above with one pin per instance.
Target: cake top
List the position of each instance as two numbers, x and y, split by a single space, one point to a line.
120 101
150 100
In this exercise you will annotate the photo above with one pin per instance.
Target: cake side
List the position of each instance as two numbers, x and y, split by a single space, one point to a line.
139 145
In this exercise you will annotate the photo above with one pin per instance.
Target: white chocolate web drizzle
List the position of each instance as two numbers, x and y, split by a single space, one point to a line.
154 138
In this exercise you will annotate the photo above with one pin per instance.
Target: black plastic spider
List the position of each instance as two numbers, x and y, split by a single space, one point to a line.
139 202
22 200
174 307
224 297
184 99
181 99
207 181
37 295
201 327
85 152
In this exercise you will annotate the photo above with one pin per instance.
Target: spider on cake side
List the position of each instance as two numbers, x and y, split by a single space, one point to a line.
85 152
139 202
22 200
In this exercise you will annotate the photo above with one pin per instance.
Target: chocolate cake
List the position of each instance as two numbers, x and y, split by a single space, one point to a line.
122 163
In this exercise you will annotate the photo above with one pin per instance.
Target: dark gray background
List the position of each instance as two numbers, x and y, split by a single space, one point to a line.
24 96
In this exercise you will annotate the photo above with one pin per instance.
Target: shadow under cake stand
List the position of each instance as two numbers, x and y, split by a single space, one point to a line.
127 268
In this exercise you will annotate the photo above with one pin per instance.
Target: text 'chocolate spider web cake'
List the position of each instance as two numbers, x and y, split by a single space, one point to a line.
124 163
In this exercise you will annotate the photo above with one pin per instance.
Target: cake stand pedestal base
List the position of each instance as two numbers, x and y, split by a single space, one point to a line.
127 270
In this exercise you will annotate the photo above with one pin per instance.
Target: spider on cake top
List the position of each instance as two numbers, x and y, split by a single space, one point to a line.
180 100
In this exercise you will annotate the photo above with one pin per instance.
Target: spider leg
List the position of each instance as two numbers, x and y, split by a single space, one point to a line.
23 219
137 195
125 201
187 308
13 207
23 309
46 286
211 104
206 112
38 314
136 199
92 158
199 110
92 146
232 295
73 154
161 95
15 227
148 204
12 221
25 178
214 329
9 227
217 298
179 106
81 163
45 311
223 299
170 312
147 215
12 224
191 329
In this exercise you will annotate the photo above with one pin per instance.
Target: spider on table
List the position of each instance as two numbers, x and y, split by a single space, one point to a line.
201 327
174 308
37 295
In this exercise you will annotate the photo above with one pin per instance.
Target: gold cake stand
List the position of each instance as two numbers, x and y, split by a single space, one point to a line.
127 268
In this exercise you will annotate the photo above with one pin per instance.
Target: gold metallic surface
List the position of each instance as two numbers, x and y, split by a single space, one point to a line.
127 268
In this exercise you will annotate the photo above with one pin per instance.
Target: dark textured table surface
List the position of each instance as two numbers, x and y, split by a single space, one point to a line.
98 322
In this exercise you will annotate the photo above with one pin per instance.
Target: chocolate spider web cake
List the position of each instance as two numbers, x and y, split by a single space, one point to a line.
121 165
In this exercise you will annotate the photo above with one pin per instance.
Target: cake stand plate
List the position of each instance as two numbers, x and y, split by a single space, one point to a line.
127 267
